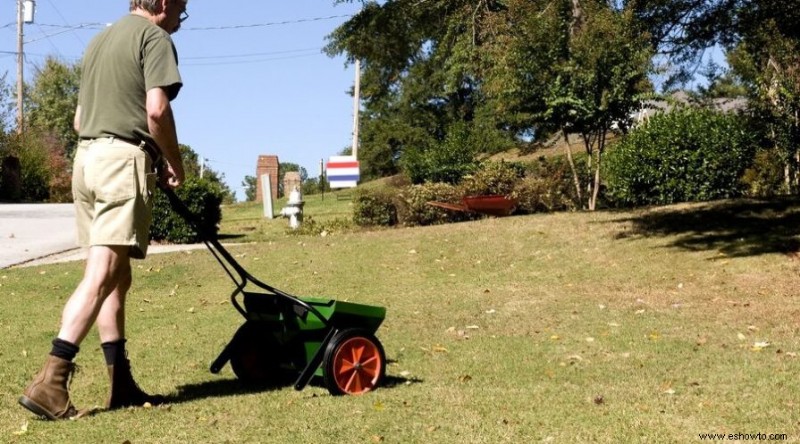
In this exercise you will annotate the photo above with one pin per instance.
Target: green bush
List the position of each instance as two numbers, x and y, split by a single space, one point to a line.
413 208
375 206
685 155
447 161
765 178
546 193
311 227
203 199
492 178
33 155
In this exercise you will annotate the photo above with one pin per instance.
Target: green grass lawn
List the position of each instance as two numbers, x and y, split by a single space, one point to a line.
651 326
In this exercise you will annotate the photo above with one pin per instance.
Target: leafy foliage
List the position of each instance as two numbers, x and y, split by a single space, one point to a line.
192 167
413 208
492 178
686 155
250 183
375 206
446 162
52 100
765 177
202 197
547 186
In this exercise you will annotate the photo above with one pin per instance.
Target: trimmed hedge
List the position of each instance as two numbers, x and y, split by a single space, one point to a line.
202 197
375 206
686 155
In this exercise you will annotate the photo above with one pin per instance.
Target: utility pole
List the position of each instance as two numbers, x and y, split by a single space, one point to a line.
25 14
20 61
356 107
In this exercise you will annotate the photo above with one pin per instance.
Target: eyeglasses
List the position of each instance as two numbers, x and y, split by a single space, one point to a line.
184 16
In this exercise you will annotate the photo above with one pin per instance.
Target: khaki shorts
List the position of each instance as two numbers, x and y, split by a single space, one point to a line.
112 184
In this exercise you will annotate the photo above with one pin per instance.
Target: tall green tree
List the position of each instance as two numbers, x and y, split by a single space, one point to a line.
285 167
569 67
499 71
420 74
249 184
193 168
51 100
6 105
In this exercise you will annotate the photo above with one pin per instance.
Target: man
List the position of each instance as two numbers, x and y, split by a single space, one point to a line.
125 123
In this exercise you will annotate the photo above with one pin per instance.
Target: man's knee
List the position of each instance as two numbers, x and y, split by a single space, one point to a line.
109 267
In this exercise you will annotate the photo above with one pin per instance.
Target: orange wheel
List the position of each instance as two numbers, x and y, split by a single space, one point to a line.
354 363
254 356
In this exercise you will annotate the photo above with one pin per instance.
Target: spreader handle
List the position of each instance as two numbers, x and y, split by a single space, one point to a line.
315 362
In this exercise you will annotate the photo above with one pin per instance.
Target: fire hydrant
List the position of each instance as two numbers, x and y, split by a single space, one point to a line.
294 209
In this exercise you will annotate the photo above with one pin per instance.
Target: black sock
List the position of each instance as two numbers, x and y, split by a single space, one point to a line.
114 351
64 349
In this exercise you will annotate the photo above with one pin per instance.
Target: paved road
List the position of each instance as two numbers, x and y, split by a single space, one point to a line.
37 234
31 231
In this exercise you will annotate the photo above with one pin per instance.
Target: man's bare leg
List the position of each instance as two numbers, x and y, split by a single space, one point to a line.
107 270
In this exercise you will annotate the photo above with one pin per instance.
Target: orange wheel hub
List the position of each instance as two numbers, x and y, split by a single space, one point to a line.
357 365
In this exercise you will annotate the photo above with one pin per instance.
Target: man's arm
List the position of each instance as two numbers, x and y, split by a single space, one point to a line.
76 122
161 124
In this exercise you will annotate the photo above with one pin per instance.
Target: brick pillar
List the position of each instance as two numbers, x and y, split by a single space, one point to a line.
267 165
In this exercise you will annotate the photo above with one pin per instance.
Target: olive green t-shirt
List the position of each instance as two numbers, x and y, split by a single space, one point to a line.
121 64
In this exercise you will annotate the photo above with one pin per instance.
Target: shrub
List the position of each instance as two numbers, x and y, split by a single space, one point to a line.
311 227
413 208
685 155
34 160
545 194
203 199
447 161
765 178
492 178
375 206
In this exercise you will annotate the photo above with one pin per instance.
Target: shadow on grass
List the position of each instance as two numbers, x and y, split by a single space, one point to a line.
216 389
222 236
231 387
737 228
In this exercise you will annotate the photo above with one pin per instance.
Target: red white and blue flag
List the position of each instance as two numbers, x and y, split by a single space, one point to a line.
342 171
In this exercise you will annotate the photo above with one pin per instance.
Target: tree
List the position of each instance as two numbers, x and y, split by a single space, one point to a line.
52 99
192 167
500 71
285 167
420 74
249 184
566 67
6 106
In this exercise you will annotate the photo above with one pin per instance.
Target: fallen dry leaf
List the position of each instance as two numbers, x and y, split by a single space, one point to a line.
23 429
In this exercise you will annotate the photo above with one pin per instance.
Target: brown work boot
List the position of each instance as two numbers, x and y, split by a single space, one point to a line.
48 394
124 390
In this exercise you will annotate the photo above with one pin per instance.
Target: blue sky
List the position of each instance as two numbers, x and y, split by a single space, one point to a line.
248 90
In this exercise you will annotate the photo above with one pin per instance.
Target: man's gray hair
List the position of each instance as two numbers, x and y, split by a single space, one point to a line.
151 6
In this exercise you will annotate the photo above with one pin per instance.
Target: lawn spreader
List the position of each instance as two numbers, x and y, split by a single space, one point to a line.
287 338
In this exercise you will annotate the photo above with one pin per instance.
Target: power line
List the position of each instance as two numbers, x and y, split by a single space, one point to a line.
261 25
65 21
246 62
210 28
256 54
